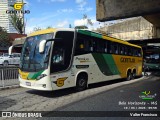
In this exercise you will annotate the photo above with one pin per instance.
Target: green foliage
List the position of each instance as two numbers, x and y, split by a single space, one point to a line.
17 23
81 27
70 26
85 17
4 38
48 27
36 29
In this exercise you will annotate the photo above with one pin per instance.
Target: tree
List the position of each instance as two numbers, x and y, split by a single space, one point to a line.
48 27
4 38
85 17
81 27
17 23
70 26
36 28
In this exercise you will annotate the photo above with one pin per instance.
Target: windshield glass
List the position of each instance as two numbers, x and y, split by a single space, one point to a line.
153 58
31 59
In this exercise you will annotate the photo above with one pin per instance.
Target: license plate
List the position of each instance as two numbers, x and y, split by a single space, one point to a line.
28 83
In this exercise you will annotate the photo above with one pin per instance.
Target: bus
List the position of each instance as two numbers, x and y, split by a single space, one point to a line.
54 59
152 58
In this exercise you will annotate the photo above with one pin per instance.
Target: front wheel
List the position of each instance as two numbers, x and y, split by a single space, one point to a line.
81 83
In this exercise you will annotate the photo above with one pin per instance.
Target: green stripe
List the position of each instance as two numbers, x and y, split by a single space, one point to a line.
102 64
110 62
89 33
33 76
106 64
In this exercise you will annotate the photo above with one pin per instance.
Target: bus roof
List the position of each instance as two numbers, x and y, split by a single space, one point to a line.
83 31
44 31
102 36
50 30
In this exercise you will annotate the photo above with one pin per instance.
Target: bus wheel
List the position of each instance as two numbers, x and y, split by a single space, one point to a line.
129 75
133 75
81 83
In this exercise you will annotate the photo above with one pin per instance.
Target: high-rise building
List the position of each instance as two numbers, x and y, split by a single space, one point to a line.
5 21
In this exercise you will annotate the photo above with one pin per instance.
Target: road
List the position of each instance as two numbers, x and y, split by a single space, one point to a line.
103 97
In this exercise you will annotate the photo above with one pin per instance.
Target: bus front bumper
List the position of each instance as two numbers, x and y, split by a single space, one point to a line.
37 85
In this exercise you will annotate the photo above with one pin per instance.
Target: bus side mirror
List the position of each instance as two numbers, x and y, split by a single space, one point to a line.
42 46
10 50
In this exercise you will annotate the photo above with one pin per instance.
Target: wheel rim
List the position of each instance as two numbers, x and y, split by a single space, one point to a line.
128 76
82 83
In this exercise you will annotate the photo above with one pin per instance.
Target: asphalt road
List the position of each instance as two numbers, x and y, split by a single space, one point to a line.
118 99
98 97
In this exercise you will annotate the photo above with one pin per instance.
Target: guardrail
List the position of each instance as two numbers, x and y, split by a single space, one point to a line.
8 76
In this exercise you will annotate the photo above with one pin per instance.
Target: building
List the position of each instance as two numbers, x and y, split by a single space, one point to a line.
137 31
131 29
12 36
4 17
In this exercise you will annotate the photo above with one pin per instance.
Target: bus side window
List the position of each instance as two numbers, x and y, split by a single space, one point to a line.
139 52
100 46
130 53
81 44
121 50
105 47
110 47
135 51
90 46
126 50
115 48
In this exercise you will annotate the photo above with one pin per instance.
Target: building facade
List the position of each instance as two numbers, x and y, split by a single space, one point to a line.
4 17
131 29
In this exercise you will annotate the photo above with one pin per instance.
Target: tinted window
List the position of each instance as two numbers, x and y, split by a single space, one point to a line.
62 51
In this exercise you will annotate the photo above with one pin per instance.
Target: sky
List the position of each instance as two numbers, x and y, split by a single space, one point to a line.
59 13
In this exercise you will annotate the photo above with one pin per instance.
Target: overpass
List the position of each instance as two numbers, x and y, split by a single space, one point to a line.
119 9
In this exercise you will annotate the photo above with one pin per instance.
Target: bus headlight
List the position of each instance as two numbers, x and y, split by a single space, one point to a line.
41 76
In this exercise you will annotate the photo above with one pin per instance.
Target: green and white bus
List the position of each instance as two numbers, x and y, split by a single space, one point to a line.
54 59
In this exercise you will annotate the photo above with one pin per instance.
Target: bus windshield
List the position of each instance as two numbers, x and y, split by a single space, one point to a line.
153 58
31 59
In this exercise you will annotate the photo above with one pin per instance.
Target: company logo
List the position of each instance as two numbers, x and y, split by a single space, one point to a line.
18 6
146 95
18 9
60 81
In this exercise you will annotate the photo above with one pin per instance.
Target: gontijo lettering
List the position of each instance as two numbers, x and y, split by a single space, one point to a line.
132 60
18 9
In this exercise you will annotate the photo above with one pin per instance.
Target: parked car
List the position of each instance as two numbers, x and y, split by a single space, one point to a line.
13 59
4 55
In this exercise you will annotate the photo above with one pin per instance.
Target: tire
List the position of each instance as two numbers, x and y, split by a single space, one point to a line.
133 75
5 63
81 83
129 76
